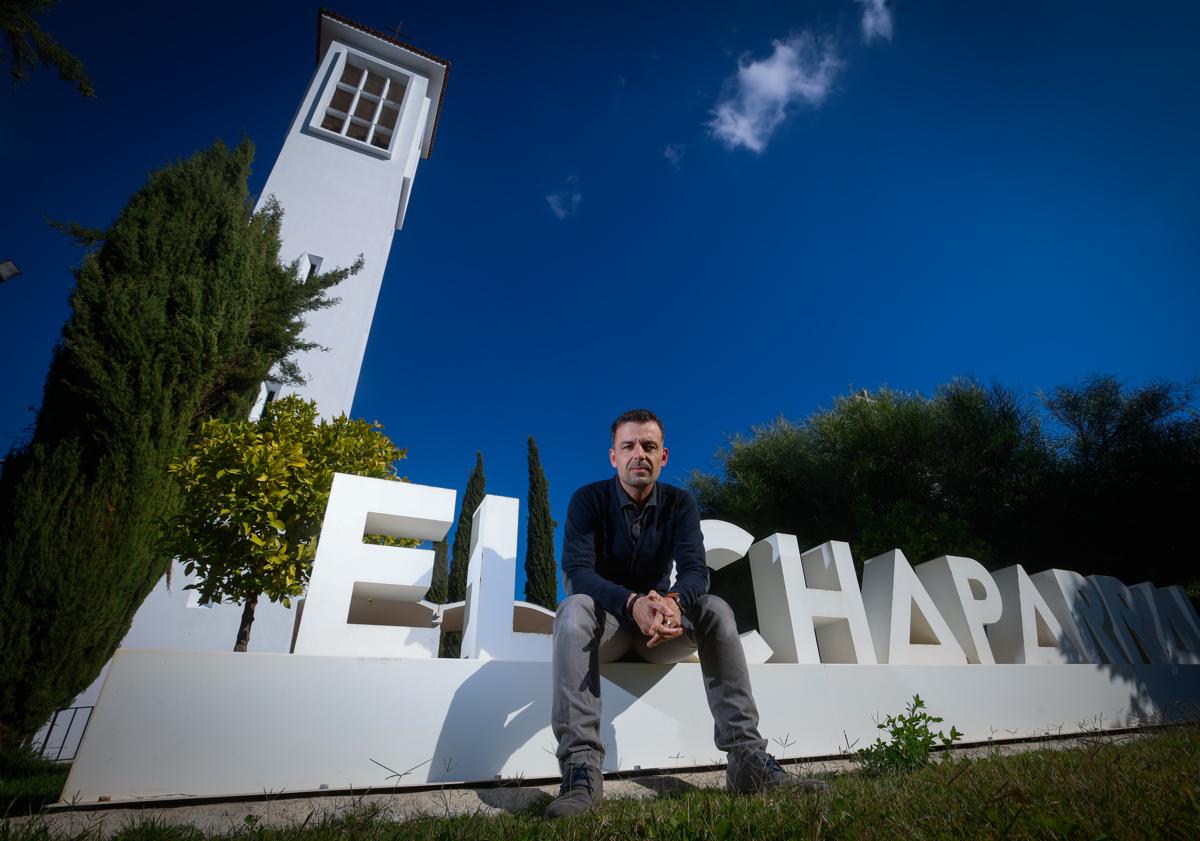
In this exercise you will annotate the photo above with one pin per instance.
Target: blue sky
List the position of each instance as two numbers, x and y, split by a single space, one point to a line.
725 212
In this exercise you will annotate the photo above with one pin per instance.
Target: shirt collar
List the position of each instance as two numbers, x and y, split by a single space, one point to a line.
626 500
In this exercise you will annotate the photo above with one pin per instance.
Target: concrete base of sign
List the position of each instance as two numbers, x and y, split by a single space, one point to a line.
178 724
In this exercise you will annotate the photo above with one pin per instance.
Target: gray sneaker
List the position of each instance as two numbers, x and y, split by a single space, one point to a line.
749 772
582 790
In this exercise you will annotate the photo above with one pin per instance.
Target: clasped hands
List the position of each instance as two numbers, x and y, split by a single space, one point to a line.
658 617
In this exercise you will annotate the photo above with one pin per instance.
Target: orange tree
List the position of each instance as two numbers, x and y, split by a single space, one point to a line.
254 496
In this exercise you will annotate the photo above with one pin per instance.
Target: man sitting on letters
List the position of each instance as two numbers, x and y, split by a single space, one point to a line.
621 536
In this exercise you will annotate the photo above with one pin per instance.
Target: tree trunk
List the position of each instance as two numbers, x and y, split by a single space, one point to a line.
243 637
8 738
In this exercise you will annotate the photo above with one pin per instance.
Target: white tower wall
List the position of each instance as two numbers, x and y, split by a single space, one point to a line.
341 197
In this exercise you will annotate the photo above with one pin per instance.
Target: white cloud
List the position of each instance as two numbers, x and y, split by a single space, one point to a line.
876 20
674 153
800 70
566 202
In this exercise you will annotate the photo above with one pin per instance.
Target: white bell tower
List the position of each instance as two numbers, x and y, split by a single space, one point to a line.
343 178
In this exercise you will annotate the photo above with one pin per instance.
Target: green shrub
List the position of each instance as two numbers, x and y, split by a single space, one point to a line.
910 744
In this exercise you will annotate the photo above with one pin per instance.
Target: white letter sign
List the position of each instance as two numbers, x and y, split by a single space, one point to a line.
488 621
385 584
809 606
1027 631
905 624
968 599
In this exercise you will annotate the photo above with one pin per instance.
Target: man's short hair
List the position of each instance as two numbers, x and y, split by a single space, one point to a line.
637 416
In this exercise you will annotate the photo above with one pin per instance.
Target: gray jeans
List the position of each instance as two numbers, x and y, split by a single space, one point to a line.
585 636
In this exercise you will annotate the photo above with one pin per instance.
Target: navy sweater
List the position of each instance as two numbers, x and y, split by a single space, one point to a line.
599 558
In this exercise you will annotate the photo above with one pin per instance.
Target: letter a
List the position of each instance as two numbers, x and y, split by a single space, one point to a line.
905 624
968 598
1028 631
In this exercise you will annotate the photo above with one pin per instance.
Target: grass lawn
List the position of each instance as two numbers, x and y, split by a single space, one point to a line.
28 782
1112 787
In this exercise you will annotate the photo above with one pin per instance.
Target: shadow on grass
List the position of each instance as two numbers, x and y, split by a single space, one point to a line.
664 785
516 801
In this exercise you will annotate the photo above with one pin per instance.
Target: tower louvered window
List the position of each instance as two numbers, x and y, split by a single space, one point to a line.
365 105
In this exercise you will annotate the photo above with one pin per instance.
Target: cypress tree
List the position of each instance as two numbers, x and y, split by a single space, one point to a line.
28 45
441 571
178 315
456 589
541 572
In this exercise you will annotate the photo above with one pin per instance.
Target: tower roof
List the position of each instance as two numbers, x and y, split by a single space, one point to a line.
331 26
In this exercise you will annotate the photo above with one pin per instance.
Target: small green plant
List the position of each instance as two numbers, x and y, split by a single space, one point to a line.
28 782
910 744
